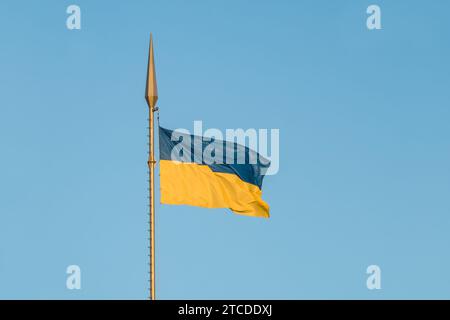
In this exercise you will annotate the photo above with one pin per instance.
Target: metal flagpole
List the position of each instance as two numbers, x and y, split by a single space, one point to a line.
151 95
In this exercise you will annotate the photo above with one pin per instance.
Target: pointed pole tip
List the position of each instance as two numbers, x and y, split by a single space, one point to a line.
151 92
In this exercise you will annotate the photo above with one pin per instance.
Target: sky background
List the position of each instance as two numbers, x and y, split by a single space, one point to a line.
364 148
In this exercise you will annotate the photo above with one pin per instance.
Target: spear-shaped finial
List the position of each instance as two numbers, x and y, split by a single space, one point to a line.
151 89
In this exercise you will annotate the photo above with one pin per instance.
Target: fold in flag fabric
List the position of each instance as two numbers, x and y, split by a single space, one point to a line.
207 172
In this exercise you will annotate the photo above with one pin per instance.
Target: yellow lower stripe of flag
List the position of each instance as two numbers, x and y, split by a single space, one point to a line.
197 185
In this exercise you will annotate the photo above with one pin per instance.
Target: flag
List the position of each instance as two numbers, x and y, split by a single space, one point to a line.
212 173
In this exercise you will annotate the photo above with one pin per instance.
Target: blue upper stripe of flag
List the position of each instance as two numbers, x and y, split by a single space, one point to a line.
177 146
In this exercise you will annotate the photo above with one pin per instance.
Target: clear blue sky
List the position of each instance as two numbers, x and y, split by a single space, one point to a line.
365 150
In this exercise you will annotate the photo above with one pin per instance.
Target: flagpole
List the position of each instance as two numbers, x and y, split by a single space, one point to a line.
151 96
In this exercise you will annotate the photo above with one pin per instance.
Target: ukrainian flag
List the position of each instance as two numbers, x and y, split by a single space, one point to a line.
204 172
